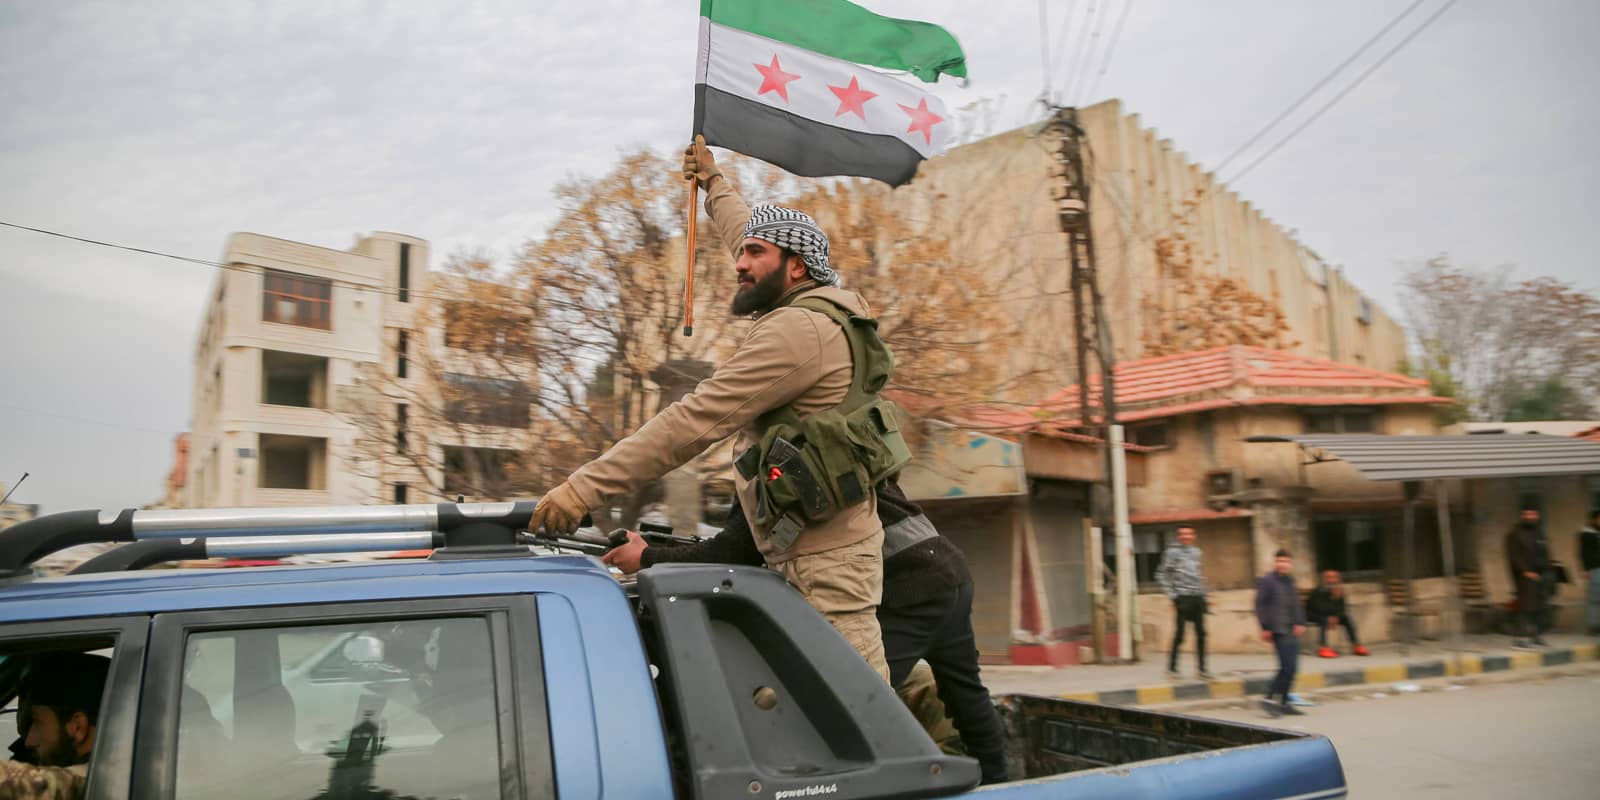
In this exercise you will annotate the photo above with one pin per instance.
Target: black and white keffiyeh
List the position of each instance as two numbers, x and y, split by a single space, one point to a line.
795 231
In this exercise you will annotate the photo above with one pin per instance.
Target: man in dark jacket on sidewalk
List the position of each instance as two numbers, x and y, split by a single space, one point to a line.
925 613
1282 620
1589 557
1528 556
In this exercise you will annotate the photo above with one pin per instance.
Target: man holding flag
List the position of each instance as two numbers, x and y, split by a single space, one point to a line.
766 73
792 357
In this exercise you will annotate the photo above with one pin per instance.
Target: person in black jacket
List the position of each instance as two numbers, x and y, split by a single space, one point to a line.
925 613
1326 609
1282 621
1589 557
1528 556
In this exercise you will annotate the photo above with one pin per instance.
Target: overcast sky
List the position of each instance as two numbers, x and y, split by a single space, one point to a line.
170 125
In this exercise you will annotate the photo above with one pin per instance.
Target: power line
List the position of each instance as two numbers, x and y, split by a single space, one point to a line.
1086 32
1061 41
1367 45
85 420
1178 219
1341 95
377 290
109 244
1079 77
1044 49
1111 47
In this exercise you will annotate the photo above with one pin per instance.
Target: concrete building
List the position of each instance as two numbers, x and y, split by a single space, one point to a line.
291 341
1173 248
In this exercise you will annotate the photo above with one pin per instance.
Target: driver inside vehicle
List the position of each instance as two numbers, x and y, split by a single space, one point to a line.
58 711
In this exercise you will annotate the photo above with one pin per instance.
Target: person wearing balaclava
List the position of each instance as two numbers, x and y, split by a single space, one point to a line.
792 356
1528 556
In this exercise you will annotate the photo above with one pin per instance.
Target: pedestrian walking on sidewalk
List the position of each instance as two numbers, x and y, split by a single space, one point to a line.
1589 557
1326 609
1183 580
1528 555
1283 621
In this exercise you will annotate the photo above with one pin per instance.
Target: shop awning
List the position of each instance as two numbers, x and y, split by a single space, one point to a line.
1421 458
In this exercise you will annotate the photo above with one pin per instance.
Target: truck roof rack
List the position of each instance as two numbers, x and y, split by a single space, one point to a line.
456 530
138 555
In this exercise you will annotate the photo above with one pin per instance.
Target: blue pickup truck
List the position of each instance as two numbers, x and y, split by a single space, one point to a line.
491 671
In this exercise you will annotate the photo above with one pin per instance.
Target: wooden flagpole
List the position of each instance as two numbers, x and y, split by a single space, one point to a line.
688 291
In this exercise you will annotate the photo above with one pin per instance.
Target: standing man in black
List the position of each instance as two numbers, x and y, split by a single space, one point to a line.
1184 582
1528 556
925 613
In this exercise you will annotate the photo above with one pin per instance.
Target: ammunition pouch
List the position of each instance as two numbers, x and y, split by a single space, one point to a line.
808 470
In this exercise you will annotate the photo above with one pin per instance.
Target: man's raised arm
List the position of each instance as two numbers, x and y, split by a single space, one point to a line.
727 209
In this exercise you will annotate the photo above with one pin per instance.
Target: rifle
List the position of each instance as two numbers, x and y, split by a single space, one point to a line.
654 535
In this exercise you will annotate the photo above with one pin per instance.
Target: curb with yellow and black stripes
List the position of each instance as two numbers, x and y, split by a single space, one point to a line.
1462 665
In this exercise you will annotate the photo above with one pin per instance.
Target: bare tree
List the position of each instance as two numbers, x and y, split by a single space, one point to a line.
1498 340
532 368
455 417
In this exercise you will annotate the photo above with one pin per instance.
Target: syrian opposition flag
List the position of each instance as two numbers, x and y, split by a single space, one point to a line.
804 84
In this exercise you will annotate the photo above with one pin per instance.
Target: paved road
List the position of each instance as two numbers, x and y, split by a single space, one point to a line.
1526 739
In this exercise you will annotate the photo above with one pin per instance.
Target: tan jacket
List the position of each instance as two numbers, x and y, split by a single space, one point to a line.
790 356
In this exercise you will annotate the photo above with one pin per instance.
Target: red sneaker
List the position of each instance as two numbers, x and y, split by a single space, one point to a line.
1327 652
1361 651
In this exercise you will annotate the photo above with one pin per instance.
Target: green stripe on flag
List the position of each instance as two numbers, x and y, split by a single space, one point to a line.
847 32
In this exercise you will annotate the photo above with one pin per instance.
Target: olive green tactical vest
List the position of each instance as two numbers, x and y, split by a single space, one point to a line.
808 470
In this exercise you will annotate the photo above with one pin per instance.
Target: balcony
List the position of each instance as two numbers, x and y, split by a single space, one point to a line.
293 462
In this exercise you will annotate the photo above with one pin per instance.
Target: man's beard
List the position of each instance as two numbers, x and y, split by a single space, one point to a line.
759 297
58 753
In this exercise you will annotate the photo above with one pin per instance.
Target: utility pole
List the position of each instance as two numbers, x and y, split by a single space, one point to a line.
1071 191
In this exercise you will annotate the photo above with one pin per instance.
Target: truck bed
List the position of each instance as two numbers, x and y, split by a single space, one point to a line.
1065 748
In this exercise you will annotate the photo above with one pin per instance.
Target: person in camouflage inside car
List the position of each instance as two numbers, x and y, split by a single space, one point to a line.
58 712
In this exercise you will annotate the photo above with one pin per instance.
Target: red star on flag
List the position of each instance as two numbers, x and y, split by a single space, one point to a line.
852 98
774 79
922 119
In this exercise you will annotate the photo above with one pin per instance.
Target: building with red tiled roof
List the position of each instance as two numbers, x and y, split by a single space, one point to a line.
1187 418
1221 377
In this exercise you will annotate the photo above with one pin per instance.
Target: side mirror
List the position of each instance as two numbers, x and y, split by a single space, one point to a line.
363 650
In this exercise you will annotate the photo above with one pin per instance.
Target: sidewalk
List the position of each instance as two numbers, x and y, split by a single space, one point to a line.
1238 675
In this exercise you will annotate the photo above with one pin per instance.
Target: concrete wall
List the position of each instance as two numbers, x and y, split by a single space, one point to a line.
950 462
1215 440
1227 548
994 198
1142 191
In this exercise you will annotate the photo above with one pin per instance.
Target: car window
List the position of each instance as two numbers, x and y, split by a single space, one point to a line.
21 664
391 709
